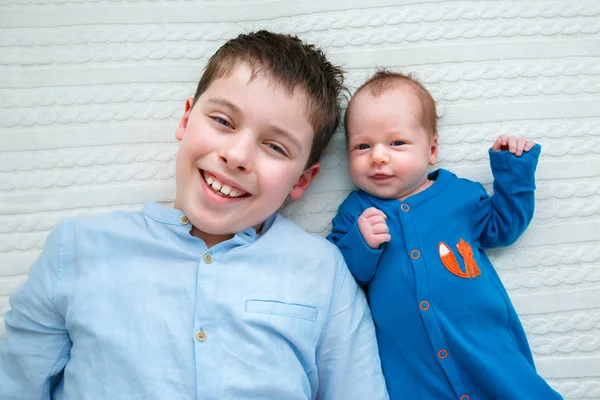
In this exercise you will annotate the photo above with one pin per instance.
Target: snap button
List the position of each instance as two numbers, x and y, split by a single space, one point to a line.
415 254
464 397
424 305
201 335
184 220
442 354
404 207
208 258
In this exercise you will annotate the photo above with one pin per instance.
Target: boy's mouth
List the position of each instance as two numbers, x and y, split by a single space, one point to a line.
221 188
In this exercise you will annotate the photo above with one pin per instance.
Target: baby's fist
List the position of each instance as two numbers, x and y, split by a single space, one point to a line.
373 227
513 144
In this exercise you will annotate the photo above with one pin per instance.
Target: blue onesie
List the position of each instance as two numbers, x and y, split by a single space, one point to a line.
445 325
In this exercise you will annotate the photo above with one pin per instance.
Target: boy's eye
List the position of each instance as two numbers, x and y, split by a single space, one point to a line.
362 146
276 148
222 121
397 143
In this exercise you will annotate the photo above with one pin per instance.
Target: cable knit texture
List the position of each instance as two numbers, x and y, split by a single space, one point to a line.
91 92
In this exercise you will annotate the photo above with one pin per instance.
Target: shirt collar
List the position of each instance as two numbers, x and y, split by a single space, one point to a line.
173 216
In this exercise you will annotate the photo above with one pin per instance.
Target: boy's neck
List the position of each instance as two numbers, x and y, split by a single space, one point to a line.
212 240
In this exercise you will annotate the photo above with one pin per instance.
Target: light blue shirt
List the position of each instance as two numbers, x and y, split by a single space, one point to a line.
131 306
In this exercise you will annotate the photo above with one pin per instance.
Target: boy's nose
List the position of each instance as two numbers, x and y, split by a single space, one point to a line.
379 156
238 154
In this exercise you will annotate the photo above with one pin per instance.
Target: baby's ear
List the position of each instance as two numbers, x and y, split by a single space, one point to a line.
434 150
184 119
304 181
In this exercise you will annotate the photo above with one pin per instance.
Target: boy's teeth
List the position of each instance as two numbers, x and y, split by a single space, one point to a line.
219 187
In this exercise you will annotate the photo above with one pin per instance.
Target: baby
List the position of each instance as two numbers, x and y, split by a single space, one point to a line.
445 326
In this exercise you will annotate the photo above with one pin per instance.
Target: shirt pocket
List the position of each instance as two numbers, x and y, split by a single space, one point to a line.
279 308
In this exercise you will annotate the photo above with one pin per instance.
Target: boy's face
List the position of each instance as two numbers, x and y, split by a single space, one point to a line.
244 148
389 149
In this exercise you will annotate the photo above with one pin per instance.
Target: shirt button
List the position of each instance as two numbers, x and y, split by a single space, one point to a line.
424 305
201 335
208 258
404 207
442 354
415 254
184 220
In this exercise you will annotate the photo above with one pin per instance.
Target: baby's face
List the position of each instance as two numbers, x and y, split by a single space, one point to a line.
389 148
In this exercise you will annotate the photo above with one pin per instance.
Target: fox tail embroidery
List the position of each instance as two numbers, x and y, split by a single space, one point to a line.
449 260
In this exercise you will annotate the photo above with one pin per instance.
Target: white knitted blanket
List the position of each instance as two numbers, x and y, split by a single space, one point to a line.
91 92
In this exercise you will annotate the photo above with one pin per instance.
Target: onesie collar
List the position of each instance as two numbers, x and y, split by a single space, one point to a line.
440 178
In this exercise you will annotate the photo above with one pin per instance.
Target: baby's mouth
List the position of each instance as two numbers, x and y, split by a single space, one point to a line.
221 188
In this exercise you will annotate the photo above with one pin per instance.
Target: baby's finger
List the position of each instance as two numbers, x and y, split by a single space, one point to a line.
369 212
380 228
520 146
384 238
499 143
528 145
376 219
512 144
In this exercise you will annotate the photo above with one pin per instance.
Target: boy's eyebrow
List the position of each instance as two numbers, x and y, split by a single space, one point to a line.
225 103
275 129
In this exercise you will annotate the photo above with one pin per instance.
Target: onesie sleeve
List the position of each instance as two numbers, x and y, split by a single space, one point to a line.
500 219
345 234
347 355
36 346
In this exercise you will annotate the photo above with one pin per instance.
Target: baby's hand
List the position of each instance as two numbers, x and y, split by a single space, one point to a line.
373 227
513 144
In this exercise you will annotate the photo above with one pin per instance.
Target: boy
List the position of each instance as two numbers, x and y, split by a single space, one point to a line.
219 297
445 331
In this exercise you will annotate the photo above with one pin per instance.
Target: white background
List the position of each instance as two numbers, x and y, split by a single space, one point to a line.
91 92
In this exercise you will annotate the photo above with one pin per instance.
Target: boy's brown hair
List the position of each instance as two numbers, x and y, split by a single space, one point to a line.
291 64
384 80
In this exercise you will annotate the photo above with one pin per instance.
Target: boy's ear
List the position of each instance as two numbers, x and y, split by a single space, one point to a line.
184 119
304 180
434 150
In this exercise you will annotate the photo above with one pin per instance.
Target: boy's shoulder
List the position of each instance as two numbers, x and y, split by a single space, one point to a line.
286 237
297 237
109 221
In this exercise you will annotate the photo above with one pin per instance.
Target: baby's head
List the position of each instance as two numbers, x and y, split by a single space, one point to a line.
391 132
264 110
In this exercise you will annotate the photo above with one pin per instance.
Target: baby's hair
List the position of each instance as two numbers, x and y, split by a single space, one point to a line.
384 80
296 66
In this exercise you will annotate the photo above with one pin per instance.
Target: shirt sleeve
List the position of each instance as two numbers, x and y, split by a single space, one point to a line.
347 355
36 346
500 219
345 234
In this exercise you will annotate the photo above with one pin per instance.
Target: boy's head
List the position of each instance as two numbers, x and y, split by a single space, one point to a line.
391 132
265 108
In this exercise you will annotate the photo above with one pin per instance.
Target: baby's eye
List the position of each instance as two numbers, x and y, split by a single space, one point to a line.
276 148
222 121
362 146
397 143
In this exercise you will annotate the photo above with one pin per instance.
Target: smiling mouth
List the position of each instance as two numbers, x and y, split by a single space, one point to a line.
380 176
221 188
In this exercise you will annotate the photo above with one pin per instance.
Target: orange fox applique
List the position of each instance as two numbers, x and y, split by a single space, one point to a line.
451 263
